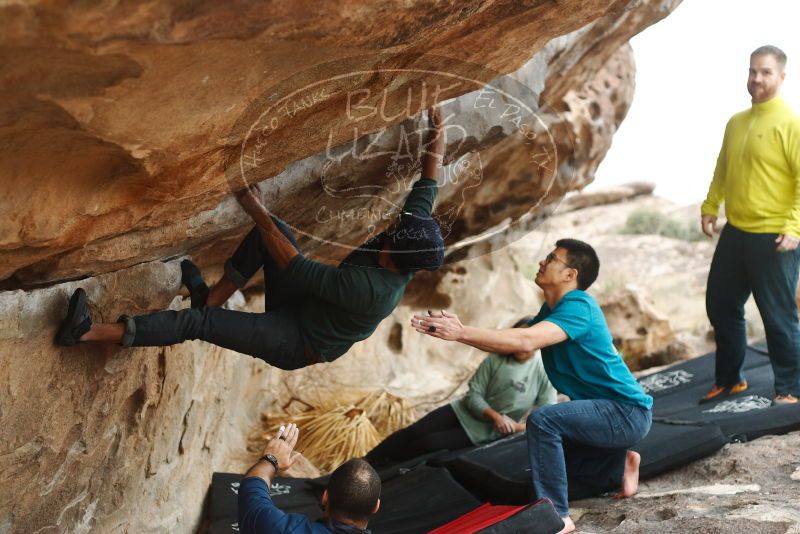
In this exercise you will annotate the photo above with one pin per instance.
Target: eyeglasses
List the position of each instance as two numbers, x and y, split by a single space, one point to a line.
552 257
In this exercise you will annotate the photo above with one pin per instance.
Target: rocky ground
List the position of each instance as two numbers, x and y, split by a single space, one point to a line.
744 488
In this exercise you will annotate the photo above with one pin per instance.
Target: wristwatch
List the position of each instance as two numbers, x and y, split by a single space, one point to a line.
271 459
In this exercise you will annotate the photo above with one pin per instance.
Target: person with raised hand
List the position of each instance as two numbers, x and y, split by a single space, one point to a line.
352 495
608 411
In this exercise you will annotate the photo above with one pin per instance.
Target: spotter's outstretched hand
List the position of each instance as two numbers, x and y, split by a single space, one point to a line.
444 325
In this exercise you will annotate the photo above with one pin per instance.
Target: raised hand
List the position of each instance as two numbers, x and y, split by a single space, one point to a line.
435 118
444 325
433 147
250 200
282 446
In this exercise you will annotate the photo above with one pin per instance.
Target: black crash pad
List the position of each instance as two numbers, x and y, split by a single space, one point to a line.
535 518
388 471
749 415
417 501
538 518
421 500
683 430
500 472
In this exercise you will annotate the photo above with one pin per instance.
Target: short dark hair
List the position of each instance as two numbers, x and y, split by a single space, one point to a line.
769 50
581 256
353 490
416 243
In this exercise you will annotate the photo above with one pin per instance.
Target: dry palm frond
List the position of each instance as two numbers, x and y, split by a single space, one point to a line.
331 435
330 438
387 412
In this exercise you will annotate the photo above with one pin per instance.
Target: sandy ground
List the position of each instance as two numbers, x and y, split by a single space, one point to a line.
749 488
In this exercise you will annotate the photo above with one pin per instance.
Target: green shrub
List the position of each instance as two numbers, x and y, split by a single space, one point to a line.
647 222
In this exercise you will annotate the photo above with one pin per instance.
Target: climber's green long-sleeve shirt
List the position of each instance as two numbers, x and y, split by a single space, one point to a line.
758 170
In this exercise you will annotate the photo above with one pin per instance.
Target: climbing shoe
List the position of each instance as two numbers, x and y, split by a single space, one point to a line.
193 280
77 321
720 392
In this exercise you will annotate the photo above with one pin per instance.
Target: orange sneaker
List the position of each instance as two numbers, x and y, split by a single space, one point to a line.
784 399
719 392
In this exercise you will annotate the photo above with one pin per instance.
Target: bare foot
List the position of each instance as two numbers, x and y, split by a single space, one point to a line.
569 526
630 478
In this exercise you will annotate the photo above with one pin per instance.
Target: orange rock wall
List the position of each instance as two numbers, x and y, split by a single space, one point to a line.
117 124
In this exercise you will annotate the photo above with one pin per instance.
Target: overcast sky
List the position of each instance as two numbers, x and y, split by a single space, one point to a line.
691 74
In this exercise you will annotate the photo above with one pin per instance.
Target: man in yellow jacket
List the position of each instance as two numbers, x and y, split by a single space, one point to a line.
758 178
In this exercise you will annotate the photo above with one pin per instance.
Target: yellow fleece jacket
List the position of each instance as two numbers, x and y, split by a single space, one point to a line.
758 170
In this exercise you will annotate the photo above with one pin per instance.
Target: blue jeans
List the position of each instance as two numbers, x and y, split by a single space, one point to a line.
596 435
743 263
274 336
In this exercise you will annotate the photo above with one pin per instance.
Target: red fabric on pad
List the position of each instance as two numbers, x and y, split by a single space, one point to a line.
481 517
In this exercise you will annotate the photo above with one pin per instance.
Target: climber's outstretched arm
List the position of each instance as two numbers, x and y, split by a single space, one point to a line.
434 147
280 248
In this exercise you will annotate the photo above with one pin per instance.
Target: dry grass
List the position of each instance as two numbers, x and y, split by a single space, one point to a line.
332 434
387 412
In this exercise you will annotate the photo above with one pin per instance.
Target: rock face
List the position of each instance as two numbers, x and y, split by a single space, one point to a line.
642 334
125 129
108 439
112 166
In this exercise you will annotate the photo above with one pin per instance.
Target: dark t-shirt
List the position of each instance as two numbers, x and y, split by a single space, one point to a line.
346 303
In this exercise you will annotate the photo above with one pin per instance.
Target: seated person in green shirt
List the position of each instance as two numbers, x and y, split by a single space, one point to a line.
502 391
314 312
584 442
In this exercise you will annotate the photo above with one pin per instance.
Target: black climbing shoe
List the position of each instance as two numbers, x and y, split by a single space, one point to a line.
193 280
77 321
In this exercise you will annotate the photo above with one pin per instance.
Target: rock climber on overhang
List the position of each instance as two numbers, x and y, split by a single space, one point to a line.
313 312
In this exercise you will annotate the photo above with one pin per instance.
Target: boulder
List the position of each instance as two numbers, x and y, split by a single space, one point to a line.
125 129
607 195
106 165
641 333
